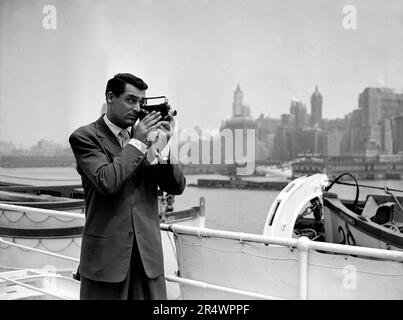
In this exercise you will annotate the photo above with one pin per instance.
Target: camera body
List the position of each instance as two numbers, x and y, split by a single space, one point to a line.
160 104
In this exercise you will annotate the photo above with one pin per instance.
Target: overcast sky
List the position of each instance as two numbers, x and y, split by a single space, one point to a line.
194 52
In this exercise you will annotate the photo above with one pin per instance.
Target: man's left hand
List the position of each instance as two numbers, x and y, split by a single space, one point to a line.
162 136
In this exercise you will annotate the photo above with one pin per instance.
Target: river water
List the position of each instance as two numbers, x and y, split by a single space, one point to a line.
227 209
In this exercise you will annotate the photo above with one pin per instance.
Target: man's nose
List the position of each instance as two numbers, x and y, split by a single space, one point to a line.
136 107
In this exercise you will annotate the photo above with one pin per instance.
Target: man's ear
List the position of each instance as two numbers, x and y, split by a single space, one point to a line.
109 97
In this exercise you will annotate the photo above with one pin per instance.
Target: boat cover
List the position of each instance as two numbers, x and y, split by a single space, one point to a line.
274 271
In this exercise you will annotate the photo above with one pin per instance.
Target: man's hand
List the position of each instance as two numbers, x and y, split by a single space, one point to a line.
145 126
165 132
160 139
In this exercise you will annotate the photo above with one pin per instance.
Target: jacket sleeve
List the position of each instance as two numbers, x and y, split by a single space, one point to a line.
105 175
170 178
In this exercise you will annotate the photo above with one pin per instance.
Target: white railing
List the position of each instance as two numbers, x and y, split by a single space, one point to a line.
303 244
43 291
205 285
12 207
38 250
15 208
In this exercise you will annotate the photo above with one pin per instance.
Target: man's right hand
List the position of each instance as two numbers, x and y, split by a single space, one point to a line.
145 125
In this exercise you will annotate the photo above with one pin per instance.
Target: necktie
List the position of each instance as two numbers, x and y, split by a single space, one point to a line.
123 137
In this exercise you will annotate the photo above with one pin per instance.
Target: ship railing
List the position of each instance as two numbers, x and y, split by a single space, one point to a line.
302 244
23 209
19 282
55 213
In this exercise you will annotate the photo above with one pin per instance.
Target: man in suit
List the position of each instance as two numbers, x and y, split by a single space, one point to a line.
121 251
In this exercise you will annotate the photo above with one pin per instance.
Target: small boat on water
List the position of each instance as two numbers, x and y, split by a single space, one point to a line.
307 207
376 222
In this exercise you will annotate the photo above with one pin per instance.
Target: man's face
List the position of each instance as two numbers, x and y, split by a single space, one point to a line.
124 110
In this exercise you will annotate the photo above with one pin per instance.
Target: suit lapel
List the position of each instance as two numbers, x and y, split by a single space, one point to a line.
109 140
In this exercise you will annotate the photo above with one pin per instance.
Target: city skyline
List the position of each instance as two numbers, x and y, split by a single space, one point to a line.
195 54
213 131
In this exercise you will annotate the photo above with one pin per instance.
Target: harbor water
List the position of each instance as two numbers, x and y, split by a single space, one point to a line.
226 209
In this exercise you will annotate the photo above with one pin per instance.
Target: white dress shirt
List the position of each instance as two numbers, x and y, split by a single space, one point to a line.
116 130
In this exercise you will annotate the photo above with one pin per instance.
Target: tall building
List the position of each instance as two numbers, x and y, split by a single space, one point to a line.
386 136
240 122
377 106
316 108
288 121
238 107
307 141
397 131
266 129
298 109
282 145
330 143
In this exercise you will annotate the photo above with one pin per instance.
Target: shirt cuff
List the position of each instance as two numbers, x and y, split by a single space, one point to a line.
139 145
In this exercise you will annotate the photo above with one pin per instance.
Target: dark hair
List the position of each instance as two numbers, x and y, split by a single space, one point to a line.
118 83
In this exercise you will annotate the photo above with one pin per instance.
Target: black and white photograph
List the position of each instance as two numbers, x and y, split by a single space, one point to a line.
217 151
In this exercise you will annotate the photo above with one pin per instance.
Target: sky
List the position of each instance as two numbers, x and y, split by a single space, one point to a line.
193 51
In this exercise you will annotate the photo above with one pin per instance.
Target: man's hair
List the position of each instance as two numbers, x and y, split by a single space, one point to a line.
118 83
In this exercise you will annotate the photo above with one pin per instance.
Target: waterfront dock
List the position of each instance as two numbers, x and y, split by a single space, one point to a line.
241 184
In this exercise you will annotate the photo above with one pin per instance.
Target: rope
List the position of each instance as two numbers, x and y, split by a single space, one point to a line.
52 250
38 244
387 190
365 186
24 214
3 213
37 179
357 186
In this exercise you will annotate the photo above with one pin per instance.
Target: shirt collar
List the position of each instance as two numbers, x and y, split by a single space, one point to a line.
114 128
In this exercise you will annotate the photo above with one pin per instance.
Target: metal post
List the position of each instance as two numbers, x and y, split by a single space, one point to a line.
303 252
202 206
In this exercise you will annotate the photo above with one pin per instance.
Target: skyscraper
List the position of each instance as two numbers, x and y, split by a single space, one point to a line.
240 121
398 134
377 105
238 108
237 104
316 108
298 109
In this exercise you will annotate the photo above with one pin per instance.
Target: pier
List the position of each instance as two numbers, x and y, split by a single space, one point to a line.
241 184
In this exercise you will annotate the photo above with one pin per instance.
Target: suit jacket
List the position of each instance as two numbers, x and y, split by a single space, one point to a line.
120 189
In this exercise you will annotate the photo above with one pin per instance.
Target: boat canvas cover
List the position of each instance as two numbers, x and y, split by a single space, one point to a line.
274 271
